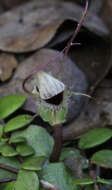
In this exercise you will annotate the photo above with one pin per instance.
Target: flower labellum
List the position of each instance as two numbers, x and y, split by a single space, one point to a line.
48 86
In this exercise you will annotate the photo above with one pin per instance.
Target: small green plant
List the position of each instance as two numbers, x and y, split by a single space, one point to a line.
31 159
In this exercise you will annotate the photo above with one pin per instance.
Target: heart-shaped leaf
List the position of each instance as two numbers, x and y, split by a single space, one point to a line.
38 138
34 163
27 180
17 123
103 158
57 174
94 137
9 104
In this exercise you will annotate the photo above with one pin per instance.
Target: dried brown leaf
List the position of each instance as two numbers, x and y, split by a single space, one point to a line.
33 25
7 64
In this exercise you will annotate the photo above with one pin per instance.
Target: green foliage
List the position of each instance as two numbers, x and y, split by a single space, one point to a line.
24 150
57 173
103 158
33 163
36 137
33 146
8 151
26 180
17 123
94 137
10 104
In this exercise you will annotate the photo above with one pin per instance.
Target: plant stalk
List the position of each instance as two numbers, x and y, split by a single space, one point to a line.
58 143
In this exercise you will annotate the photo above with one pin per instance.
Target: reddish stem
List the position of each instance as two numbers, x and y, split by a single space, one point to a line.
64 51
58 143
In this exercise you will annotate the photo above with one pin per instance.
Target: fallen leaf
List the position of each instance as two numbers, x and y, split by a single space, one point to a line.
9 4
7 64
33 25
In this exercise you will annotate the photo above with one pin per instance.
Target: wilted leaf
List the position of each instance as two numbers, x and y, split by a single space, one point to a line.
38 138
57 174
10 104
94 137
17 122
7 151
103 158
24 150
7 64
27 180
34 163
74 160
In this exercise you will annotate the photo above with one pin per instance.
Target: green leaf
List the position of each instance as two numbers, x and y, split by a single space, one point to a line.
34 163
27 180
17 123
8 151
69 152
17 140
10 186
13 162
89 187
10 104
56 173
103 158
1 131
70 155
85 181
24 150
103 181
94 137
38 138
2 186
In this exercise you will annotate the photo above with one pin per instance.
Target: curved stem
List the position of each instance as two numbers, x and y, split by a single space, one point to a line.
58 143
77 30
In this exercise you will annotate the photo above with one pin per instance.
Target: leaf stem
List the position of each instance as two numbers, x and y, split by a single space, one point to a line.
7 180
9 168
58 143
